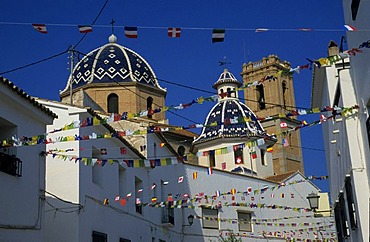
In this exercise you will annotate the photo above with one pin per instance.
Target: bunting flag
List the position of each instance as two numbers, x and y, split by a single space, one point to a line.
259 30
153 186
154 199
209 171
349 27
129 195
123 202
283 125
269 149
285 142
116 199
174 32
106 201
195 175
84 29
40 28
218 35
131 32
180 180
254 154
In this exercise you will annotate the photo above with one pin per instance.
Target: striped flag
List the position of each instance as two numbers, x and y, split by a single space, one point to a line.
209 171
129 195
106 201
350 28
269 149
218 35
153 186
233 191
131 32
154 199
84 29
116 198
40 28
174 32
218 193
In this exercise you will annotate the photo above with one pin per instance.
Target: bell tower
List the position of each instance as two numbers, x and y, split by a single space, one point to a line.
273 97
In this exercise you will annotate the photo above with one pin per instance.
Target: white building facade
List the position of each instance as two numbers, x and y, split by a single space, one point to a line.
22 164
342 83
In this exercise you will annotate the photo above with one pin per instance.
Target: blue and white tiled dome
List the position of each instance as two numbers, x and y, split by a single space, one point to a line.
112 63
230 118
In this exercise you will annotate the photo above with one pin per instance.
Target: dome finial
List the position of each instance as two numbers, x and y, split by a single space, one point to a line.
112 39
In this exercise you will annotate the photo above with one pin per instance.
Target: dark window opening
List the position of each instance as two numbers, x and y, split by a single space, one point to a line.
181 150
261 97
168 214
149 108
112 103
124 240
351 203
263 160
341 221
337 96
10 165
212 158
228 92
139 191
238 155
99 237
354 8
284 91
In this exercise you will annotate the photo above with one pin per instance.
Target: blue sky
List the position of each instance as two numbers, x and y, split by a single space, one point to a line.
191 60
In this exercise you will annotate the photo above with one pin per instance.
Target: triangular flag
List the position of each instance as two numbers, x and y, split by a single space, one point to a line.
131 32
174 32
218 35
84 29
40 28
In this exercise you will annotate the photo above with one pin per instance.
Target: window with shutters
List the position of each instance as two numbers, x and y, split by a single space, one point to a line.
244 219
351 203
210 218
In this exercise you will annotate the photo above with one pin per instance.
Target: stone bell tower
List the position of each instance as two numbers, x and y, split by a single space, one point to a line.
273 97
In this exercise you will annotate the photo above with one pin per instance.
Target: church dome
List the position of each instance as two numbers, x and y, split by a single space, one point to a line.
112 63
230 118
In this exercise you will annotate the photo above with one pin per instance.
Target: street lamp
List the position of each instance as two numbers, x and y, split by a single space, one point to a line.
190 219
313 199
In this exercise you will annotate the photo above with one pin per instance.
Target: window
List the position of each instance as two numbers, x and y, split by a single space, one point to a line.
124 240
283 85
261 97
341 221
263 160
244 219
122 180
210 218
10 165
99 237
350 203
212 158
238 155
138 190
149 108
181 150
228 92
112 103
168 215
97 170
354 8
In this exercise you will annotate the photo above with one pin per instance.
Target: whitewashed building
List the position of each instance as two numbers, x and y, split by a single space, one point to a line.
344 84
22 164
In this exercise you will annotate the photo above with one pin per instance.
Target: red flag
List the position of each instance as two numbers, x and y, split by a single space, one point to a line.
123 202
41 28
174 32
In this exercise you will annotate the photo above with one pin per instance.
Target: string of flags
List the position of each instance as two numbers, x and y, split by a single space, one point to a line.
214 30
94 121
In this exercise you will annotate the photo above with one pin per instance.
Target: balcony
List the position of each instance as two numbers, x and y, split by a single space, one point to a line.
11 165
